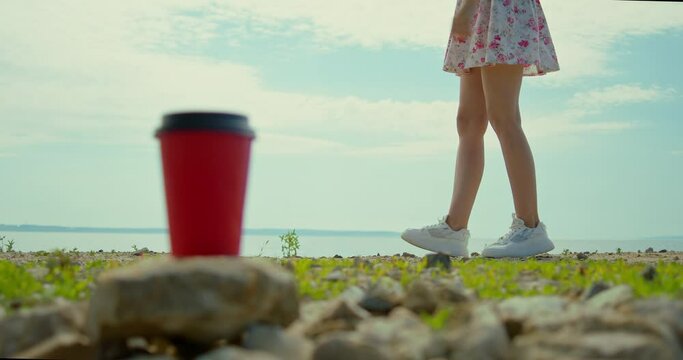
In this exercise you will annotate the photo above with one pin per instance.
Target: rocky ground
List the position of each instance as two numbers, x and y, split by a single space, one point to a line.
150 306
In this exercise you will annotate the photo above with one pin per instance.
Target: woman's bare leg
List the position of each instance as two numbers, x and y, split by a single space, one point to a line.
502 84
469 167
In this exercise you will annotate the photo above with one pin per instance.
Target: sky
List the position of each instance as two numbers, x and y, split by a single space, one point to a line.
354 116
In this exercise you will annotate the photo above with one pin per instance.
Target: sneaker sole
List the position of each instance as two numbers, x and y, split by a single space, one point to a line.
421 246
541 248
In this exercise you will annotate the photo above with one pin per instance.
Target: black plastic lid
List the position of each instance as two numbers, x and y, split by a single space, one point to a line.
212 121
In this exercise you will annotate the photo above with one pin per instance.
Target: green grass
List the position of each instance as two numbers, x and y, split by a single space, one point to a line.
64 276
496 279
61 277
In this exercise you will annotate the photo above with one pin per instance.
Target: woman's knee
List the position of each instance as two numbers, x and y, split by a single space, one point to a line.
472 125
505 123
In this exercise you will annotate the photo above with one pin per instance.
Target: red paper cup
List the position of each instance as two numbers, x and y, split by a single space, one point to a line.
205 159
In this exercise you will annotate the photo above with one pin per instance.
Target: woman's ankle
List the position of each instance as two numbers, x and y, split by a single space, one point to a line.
454 225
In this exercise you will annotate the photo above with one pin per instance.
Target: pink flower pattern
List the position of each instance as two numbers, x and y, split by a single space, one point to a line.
504 32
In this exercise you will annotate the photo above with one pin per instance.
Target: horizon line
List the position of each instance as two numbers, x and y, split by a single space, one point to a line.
247 231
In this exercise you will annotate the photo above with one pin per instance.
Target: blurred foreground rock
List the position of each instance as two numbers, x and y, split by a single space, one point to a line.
200 299
49 332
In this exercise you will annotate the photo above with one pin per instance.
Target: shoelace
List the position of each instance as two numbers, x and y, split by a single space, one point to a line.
506 238
440 223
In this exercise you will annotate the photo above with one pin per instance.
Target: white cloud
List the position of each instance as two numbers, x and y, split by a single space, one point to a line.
583 35
620 94
82 71
277 144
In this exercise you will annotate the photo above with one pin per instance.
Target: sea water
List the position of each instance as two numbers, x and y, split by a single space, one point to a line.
313 246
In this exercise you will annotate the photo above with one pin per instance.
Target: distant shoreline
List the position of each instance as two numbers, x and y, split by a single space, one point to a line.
268 232
262 232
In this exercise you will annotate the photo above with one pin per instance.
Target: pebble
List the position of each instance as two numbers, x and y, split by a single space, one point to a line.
272 339
483 337
236 353
335 275
383 295
649 273
422 296
594 289
438 259
610 298
142 251
582 256
400 335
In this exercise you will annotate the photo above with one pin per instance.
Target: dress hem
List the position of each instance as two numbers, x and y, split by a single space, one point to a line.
464 71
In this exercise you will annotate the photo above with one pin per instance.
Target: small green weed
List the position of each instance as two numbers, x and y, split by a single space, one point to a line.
6 247
438 320
260 253
290 243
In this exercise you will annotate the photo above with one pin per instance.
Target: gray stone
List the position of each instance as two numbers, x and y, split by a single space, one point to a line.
483 337
520 313
199 299
236 353
343 309
611 298
335 275
547 335
649 273
151 357
26 330
310 313
595 288
422 296
401 335
438 260
334 315
66 345
522 308
360 262
594 345
383 295
395 274
353 293
661 310
649 250
142 251
272 339
452 289
582 256
344 346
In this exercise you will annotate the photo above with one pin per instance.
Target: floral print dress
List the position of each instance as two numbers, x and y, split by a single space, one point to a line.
504 32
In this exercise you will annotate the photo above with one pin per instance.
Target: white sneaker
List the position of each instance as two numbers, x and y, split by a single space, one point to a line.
439 238
520 241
